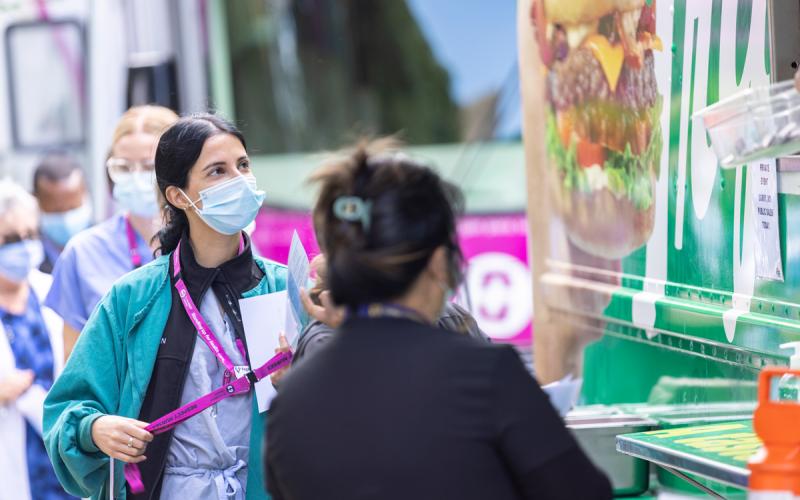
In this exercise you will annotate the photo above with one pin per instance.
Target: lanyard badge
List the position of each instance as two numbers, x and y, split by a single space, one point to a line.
245 378
241 385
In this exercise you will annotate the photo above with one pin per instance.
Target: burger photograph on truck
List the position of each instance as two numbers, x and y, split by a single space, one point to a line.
602 124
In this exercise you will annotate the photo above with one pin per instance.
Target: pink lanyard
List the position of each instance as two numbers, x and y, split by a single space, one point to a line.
241 385
133 249
203 330
229 388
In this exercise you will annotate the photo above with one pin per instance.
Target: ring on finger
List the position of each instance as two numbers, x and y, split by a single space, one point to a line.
130 441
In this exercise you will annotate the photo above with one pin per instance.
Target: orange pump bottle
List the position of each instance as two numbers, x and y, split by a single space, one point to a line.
775 469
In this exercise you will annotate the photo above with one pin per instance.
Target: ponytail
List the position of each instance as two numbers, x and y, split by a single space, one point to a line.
176 223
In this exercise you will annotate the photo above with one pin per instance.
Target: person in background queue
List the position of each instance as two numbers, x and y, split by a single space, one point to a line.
401 408
94 259
59 186
30 351
168 334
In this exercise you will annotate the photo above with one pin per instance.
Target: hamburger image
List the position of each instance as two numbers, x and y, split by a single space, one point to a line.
602 118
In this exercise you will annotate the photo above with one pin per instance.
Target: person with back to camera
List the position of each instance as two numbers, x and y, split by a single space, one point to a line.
394 408
161 378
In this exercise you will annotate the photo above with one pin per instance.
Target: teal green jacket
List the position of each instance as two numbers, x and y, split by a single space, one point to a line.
108 373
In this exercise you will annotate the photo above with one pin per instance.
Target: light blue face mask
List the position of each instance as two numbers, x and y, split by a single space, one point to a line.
18 259
229 206
136 193
59 227
448 289
449 293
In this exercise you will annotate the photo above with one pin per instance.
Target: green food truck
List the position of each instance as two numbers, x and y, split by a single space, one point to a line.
668 282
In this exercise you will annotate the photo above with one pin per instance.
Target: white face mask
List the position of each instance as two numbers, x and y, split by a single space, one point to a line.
230 206
136 193
448 295
250 228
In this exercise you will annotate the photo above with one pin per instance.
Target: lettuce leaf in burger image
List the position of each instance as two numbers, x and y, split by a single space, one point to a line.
603 118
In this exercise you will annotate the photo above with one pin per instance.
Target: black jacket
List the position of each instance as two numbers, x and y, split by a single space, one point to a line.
392 409
454 319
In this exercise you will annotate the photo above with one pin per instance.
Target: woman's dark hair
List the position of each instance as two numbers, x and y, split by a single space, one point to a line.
177 152
410 210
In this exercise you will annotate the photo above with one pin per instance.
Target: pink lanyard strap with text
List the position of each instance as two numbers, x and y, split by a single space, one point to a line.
203 330
239 386
229 388
133 247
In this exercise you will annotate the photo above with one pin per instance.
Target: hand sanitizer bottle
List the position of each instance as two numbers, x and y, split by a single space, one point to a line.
775 468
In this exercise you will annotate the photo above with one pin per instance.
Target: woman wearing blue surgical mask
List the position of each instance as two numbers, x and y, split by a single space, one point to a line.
162 378
30 351
95 258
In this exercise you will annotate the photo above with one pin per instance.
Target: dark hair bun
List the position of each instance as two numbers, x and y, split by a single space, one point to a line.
410 211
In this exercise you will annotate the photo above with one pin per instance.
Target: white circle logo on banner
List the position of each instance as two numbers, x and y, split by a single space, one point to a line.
500 289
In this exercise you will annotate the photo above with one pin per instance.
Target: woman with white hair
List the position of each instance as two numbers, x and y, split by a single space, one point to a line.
30 351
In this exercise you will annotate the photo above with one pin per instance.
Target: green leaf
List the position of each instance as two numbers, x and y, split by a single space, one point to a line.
616 181
565 159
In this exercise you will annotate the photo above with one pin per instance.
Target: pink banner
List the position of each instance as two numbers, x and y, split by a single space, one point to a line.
496 250
273 234
498 276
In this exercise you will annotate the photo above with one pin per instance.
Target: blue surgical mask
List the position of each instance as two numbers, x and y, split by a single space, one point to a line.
136 193
229 206
59 227
18 259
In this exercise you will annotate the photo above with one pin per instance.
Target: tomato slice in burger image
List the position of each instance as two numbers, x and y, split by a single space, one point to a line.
603 118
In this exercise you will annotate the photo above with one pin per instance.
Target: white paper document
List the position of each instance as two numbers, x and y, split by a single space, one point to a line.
297 279
264 318
764 176
564 393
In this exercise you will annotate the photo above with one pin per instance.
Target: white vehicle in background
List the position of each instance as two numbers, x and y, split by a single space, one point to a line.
69 68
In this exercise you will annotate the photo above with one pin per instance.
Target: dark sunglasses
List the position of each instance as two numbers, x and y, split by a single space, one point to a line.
7 239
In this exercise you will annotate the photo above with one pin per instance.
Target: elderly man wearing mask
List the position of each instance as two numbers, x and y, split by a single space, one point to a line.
30 351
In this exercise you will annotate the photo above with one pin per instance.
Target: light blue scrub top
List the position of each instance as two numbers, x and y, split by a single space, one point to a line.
209 453
91 262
